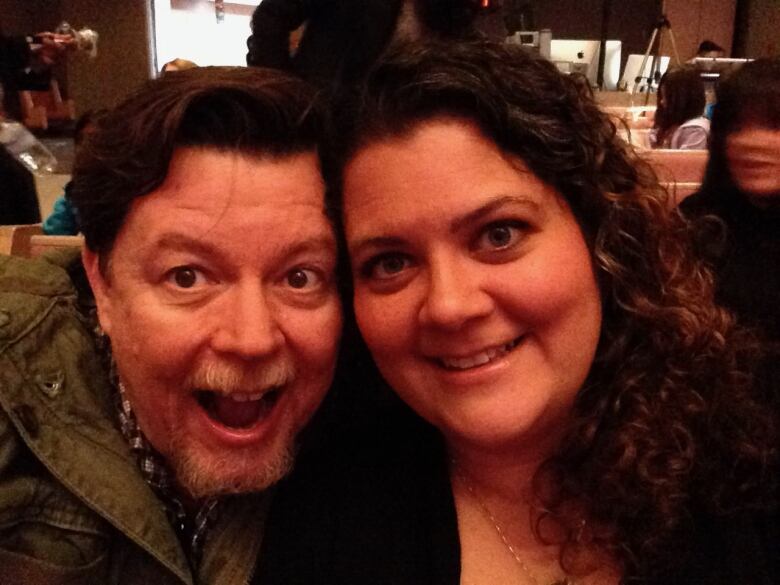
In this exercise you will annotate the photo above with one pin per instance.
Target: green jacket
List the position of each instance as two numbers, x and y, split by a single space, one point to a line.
74 508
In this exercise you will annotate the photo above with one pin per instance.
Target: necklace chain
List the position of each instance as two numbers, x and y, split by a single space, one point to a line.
500 531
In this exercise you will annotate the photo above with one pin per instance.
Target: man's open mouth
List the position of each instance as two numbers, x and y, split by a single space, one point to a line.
238 410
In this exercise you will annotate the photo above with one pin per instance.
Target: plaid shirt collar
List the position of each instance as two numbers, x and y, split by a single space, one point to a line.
192 529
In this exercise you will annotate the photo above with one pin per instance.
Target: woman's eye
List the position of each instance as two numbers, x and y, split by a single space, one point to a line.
385 266
499 236
186 277
301 278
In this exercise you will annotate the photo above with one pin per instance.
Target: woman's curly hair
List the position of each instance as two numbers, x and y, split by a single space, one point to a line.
666 421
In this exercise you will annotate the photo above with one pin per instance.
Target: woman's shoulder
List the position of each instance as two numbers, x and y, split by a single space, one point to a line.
692 134
700 122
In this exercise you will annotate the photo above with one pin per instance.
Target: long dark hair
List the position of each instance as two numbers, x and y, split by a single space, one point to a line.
666 413
681 98
750 95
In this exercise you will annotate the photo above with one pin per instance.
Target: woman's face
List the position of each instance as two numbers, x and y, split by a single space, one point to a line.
753 154
474 287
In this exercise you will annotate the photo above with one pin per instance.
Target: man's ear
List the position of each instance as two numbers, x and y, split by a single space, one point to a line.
100 287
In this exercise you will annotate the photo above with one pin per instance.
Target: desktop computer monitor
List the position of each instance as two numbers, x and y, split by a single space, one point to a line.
582 56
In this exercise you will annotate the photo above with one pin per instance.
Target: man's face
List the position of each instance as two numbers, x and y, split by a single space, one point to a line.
220 302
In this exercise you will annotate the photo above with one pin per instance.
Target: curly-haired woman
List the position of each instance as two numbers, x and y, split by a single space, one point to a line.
585 412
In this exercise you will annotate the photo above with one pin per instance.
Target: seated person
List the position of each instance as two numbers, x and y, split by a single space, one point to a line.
741 190
140 428
584 407
710 50
680 122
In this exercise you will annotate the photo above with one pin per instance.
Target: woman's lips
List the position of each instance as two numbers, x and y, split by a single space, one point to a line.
478 359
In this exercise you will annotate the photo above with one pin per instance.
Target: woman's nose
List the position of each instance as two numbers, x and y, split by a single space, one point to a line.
455 295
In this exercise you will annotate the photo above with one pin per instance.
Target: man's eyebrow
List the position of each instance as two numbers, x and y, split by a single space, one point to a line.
178 242
377 242
491 206
313 244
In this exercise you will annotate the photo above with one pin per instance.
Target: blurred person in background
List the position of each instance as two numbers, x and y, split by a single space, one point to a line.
63 220
738 206
177 64
343 38
679 119
710 50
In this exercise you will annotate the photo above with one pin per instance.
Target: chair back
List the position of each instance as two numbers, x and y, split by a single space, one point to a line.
678 166
29 241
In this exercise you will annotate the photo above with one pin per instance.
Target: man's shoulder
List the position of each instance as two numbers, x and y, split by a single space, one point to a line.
48 275
31 288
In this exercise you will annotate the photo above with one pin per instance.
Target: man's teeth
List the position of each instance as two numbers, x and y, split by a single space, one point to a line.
480 358
243 397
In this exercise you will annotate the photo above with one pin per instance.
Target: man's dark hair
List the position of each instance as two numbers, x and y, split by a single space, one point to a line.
257 112
708 46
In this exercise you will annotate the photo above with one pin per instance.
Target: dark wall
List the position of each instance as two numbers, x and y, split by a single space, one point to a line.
23 17
755 31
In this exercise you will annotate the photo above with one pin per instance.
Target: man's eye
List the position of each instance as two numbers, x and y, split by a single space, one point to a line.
499 236
301 278
186 277
385 266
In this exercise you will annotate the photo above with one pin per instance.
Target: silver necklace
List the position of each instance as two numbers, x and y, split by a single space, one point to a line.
500 531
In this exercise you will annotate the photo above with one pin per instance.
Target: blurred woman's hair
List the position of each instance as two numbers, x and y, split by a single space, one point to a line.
666 414
748 97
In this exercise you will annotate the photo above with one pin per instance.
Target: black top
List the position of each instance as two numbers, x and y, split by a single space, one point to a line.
742 243
18 197
746 258
342 38
376 509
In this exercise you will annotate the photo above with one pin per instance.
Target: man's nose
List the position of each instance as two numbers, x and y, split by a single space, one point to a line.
247 323
455 295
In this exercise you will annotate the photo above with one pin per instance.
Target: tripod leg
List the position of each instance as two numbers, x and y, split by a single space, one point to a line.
644 61
674 47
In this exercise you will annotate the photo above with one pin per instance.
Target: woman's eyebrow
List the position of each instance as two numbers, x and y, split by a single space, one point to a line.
491 206
375 242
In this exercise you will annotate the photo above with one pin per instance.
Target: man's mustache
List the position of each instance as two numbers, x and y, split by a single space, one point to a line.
226 377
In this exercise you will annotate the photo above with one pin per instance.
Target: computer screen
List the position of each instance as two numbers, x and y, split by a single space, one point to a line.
582 56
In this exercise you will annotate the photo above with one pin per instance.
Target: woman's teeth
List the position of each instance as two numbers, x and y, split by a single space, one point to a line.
479 359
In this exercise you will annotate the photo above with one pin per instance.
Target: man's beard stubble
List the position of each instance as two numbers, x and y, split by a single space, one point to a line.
202 473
